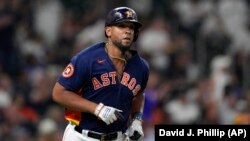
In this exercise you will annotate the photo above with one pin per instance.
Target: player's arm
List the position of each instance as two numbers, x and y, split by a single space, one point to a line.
75 102
138 104
135 131
71 100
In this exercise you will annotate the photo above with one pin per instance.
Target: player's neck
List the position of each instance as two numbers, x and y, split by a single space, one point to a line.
113 50
114 53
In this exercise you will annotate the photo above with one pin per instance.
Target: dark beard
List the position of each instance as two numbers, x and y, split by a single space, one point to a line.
121 47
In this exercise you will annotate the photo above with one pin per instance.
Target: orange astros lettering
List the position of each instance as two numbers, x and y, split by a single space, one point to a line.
109 79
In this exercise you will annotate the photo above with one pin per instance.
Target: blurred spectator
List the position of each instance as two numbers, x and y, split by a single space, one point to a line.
191 15
154 39
47 129
220 76
183 110
228 107
214 40
9 18
234 15
243 115
6 90
44 11
89 35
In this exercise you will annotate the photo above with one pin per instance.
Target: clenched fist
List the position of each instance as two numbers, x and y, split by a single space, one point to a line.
107 114
135 131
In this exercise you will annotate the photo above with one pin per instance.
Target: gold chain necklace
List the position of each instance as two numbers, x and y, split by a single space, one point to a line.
119 58
114 57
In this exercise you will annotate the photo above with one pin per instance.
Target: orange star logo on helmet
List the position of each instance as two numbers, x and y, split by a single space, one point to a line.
68 71
129 14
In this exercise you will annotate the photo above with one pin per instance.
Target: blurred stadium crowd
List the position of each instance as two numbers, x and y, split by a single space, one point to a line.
198 50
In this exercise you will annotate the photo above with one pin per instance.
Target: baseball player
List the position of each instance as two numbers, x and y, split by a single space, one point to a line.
102 87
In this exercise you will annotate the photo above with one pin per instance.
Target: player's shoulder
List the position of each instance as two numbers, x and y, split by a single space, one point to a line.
144 66
142 61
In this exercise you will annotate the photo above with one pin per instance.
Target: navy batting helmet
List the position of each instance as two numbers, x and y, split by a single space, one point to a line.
123 14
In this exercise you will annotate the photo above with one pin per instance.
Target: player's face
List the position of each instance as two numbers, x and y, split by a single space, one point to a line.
122 35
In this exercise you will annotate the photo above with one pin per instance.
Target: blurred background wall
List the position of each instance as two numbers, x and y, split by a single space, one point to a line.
198 51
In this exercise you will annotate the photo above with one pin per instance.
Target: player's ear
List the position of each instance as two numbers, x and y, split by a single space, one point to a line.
108 31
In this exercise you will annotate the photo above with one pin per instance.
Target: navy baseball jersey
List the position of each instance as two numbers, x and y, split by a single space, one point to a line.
92 75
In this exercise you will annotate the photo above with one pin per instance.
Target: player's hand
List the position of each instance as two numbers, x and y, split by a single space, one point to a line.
107 114
135 131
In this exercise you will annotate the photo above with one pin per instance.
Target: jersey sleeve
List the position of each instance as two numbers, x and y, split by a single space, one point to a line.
146 76
75 74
